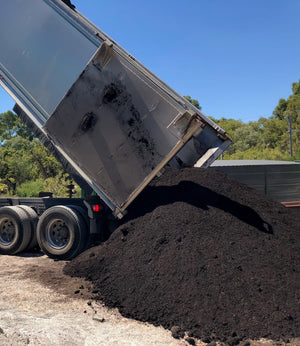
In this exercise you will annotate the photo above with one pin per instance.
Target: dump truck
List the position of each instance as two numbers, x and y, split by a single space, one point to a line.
109 120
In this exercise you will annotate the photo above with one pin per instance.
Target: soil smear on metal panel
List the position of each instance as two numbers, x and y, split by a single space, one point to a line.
205 253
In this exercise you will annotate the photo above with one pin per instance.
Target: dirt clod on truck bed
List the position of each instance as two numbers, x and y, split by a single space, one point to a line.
206 254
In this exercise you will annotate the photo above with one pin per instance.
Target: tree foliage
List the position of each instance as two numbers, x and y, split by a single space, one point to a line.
26 166
11 126
194 102
296 88
266 138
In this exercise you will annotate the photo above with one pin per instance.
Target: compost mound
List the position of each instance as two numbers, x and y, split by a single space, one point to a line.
203 252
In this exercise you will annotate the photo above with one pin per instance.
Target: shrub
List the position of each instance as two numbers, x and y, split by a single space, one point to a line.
30 188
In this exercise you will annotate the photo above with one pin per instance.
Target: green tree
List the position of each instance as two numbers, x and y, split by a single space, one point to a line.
194 102
11 126
23 160
272 133
43 163
266 138
291 108
279 111
3 187
296 88
15 164
26 165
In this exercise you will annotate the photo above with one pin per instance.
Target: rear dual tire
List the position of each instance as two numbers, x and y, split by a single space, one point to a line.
62 232
33 218
16 231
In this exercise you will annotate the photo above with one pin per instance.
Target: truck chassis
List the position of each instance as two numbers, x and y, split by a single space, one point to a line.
61 227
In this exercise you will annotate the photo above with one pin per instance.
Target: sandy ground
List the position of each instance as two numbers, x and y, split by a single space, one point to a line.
39 305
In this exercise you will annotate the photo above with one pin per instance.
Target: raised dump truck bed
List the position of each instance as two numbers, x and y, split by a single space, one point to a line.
111 119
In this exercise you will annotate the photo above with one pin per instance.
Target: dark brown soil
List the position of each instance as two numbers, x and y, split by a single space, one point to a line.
203 252
50 274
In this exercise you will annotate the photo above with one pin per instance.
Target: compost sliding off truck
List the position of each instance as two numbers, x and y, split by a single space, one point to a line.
110 121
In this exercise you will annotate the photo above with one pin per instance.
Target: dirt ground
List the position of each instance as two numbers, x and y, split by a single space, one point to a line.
39 305
34 313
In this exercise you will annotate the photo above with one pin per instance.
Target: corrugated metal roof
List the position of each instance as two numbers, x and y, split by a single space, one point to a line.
227 163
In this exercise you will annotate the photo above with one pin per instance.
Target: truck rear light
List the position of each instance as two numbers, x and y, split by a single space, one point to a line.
97 208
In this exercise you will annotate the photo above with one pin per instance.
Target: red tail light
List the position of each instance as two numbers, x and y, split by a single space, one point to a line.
97 208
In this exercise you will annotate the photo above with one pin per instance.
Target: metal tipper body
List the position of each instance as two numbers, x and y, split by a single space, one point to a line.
111 118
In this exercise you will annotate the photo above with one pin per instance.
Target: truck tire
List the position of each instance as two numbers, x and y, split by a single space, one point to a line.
61 232
15 230
33 219
83 213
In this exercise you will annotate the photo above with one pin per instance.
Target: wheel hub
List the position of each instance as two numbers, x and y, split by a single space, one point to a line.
7 231
58 234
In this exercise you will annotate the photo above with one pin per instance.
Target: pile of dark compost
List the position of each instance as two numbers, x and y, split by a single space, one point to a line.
204 252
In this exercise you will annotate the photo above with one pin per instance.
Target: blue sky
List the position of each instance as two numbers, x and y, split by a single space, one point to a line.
237 57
